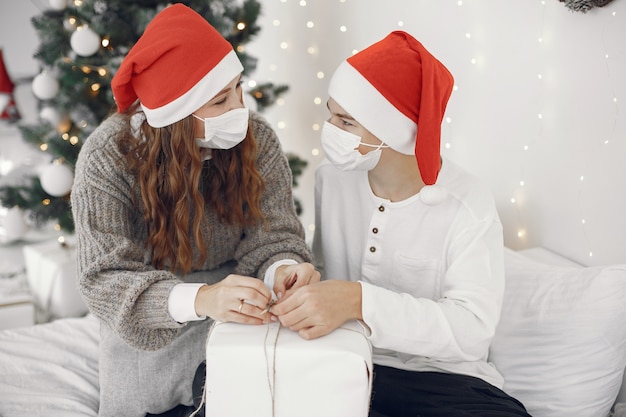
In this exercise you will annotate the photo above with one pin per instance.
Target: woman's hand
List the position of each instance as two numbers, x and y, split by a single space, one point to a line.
290 277
317 309
236 298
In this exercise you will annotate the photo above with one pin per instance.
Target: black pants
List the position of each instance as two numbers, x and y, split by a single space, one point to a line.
399 393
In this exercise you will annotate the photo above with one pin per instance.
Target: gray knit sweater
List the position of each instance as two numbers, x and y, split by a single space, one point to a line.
116 280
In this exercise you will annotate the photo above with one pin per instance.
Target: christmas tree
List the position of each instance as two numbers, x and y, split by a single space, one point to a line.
82 45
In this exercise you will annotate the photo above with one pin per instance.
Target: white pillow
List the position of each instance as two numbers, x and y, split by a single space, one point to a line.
561 340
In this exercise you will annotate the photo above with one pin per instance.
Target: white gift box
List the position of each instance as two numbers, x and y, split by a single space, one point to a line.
51 273
270 371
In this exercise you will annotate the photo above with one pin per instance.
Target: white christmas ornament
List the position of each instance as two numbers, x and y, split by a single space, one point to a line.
58 4
56 179
84 41
51 115
45 86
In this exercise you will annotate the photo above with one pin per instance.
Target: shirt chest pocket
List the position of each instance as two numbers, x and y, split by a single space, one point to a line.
418 277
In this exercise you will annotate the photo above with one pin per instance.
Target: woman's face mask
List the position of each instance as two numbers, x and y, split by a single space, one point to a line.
340 148
224 131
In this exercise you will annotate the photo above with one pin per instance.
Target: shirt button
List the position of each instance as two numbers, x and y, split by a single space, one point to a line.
381 208
375 230
372 249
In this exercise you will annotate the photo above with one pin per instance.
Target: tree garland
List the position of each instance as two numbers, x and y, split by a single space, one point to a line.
584 6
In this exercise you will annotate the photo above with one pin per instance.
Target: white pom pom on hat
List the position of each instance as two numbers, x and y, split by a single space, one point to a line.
399 91
432 195
178 64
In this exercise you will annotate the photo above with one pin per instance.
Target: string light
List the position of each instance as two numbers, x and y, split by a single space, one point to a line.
544 112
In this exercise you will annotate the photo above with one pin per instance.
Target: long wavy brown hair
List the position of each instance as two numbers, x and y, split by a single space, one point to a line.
176 185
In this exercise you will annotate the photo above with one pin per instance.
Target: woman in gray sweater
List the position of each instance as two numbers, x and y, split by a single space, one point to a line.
182 201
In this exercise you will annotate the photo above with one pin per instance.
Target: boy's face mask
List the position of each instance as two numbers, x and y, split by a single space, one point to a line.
340 148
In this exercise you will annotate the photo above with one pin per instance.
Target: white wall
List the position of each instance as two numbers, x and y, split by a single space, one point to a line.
512 61
496 50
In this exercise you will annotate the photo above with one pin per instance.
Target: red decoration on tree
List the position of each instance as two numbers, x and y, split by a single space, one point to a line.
8 110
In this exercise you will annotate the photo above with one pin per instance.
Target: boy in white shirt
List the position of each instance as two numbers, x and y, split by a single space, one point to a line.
408 242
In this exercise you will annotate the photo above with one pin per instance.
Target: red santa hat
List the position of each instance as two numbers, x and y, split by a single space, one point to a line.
177 65
8 109
398 91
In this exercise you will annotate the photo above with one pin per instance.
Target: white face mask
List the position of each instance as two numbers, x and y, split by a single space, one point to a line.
224 131
340 148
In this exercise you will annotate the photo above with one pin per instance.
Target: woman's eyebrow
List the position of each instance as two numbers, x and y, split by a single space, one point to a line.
225 90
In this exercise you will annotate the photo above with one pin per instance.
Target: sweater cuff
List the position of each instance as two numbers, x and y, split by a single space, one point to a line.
181 302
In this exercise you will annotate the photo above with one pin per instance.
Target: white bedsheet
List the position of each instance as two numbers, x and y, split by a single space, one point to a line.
50 369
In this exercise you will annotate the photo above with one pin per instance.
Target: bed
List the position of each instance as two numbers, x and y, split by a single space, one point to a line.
561 345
